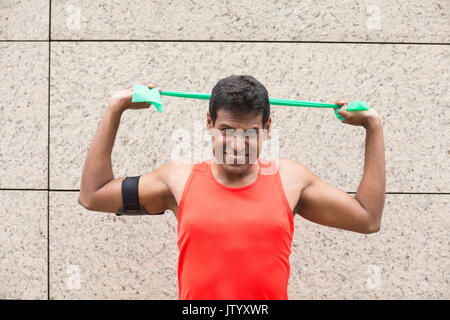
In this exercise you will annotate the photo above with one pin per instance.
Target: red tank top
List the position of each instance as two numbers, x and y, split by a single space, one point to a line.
234 243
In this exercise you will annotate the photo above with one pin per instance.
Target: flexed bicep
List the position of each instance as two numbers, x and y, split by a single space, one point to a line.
153 194
326 205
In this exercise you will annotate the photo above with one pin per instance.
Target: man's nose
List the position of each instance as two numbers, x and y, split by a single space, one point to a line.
239 144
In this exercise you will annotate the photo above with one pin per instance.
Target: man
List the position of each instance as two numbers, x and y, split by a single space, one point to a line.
235 212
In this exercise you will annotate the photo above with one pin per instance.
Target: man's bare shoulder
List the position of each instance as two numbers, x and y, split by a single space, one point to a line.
175 168
295 177
294 170
293 166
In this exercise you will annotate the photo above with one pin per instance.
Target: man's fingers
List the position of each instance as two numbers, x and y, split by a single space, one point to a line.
342 110
341 102
151 86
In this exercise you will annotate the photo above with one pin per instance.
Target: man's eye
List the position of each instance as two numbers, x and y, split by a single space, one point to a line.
251 133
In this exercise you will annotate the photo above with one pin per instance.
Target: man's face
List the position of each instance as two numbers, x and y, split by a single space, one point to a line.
237 139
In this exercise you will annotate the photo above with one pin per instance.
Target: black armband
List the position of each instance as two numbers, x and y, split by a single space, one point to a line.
130 198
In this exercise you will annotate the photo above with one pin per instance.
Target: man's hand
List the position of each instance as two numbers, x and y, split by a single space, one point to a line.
356 118
121 100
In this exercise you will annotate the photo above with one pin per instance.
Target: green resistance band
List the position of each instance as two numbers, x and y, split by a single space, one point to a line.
142 93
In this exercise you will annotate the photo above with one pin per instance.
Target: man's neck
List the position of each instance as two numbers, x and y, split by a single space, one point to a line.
223 176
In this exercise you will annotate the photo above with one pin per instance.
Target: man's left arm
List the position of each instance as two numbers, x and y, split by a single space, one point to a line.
372 189
324 204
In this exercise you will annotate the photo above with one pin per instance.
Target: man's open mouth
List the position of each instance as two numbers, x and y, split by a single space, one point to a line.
231 158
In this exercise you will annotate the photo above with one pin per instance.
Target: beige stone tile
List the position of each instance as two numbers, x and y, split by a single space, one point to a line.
407 259
97 255
23 250
406 84
24 20
24 115
362 20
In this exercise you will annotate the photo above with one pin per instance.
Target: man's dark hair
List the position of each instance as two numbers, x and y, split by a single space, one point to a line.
240 94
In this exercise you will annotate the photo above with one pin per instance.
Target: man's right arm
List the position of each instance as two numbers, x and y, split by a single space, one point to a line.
154 193
99 190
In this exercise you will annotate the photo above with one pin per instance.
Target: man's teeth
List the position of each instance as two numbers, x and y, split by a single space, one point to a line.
233 157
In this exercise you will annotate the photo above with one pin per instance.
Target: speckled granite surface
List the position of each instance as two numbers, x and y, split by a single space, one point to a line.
24 20
411 96
24 115
23 250
136 257
96 255
102 256
366 20
407 259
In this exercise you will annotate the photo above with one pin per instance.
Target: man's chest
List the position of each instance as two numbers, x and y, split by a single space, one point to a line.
292 185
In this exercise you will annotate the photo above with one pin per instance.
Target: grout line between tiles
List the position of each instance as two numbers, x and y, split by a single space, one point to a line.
77 190
238 41
48 148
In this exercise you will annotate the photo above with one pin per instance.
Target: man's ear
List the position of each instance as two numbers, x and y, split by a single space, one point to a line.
208 121
209 126
267 128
